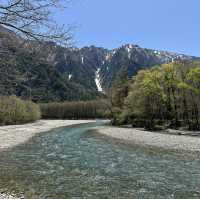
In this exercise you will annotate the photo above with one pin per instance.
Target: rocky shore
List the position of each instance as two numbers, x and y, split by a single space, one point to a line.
5 196
13 135
153 139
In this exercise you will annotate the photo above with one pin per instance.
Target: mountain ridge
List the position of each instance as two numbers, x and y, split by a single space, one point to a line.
70 73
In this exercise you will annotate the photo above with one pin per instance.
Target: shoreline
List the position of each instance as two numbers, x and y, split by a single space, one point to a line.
152 139
13 135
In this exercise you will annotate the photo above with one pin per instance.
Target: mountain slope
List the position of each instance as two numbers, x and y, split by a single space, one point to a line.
55 73
98 67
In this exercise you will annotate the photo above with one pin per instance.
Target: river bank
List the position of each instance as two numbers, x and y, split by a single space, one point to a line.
14 135
152 139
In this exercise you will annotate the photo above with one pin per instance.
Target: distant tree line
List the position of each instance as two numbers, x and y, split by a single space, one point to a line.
75 110
166 96
13 110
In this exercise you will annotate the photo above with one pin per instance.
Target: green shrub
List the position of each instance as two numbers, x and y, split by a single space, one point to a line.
13 110
33 111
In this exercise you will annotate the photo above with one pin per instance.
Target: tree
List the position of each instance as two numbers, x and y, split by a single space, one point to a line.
170 84
146 100
119 92
163 96
33 19
193 78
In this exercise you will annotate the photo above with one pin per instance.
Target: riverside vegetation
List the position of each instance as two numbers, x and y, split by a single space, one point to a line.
166 96
76 110
13 110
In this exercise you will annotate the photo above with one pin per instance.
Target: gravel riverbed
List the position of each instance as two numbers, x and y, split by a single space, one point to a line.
146 138
13 135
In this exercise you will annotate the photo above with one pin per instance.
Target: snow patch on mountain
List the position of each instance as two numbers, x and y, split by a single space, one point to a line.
98 81
113 52
129 48
157 52
108 56
82 60
69 77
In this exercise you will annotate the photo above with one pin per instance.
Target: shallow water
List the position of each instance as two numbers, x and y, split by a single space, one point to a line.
74 163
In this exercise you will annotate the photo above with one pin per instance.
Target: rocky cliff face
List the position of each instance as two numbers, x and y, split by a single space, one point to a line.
98 67
55 73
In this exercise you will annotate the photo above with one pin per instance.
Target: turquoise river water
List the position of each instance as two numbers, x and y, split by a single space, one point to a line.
73 162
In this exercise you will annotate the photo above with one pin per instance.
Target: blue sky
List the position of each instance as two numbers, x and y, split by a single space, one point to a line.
172 25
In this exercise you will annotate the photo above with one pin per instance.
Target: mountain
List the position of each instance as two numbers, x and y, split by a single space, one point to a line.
100 66
49 72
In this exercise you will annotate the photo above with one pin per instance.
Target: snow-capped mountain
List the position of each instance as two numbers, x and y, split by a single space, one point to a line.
97 67
56 73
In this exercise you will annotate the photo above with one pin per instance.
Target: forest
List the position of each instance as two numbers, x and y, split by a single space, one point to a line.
75 110
166 96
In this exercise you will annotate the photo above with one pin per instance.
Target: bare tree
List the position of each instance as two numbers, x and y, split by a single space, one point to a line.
34 19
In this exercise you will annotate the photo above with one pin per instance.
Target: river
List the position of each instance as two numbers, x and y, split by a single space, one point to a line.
73 162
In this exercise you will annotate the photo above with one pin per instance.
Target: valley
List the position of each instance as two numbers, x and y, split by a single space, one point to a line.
108 109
